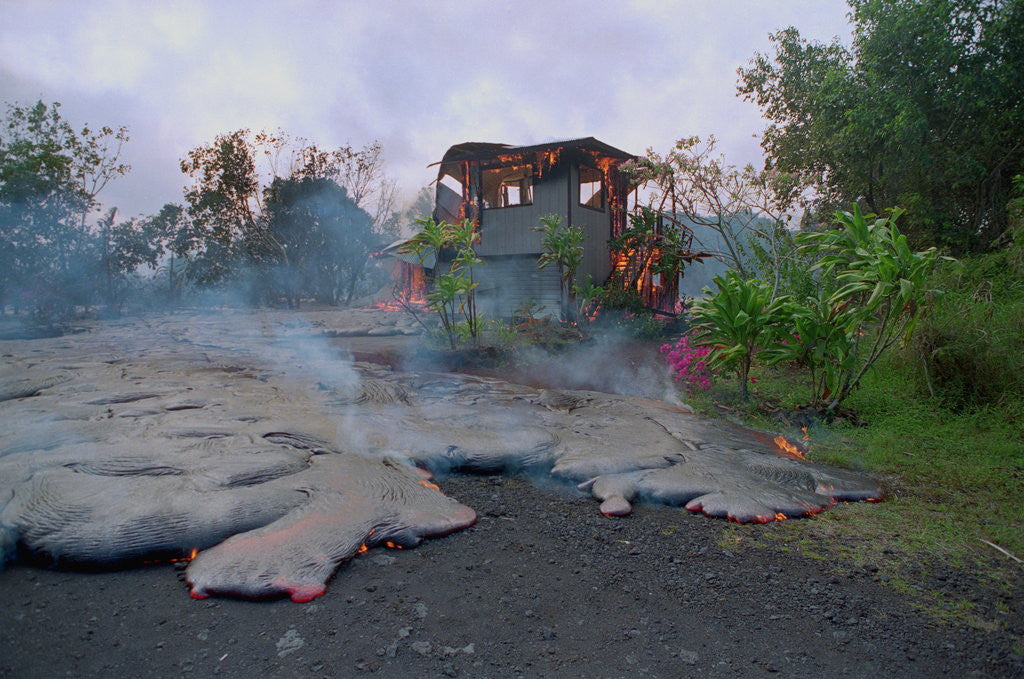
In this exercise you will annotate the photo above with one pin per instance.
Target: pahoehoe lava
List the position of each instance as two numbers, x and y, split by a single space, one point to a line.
278 458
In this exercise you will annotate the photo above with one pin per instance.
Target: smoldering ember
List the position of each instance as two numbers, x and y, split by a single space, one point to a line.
252 442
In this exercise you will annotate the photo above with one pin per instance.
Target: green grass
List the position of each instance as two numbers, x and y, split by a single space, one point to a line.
943 429
952 479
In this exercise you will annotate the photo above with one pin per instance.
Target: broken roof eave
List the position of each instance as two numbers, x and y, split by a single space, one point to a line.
393 250
474 151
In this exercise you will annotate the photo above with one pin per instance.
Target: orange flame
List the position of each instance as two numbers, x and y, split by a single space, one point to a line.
181 559
789 448
410 288
363 547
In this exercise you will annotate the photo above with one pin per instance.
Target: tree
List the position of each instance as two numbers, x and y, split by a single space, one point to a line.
223 202
695 188
234 176
925 111
124 247
325 238
176 236
360 171
453 294
50 175
883 291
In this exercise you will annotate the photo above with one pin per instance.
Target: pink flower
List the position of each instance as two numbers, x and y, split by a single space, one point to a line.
686 362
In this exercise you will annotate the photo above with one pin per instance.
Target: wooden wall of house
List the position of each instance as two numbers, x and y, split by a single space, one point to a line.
508 230
509 281
597 229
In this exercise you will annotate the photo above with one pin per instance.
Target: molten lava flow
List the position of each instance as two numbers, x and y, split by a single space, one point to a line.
789 448
428 484
183 559
393 545
363 547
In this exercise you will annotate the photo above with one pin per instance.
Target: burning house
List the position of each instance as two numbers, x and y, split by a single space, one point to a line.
505 190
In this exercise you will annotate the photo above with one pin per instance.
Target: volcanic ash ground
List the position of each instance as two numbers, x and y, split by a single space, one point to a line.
250 438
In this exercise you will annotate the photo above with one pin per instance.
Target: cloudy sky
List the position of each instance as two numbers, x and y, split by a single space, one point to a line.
417 75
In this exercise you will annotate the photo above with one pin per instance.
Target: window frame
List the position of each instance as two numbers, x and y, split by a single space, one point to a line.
600 190
527 179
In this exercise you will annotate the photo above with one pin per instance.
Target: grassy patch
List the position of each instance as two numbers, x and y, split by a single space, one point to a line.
953 479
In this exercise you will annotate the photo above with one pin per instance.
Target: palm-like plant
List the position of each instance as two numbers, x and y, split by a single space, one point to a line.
563 247
736 321
883 290
453 295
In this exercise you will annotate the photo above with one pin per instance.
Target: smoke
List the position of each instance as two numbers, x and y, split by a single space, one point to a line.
613 360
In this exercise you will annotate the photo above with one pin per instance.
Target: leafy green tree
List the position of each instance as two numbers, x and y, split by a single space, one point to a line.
124 247
178 239
223 203
925 111
50 175
325 238
563 247
237 173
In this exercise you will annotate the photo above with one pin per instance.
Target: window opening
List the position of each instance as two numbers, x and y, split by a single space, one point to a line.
508 186
591 188
449 198
452 183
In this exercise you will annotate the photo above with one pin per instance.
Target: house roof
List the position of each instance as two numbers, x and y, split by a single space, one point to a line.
474 150
392 250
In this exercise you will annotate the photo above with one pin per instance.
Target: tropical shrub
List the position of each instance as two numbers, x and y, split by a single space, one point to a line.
736 321
883 289
971 347
563 247
453 293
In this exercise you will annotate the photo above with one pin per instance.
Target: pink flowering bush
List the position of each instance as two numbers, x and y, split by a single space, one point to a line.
687 362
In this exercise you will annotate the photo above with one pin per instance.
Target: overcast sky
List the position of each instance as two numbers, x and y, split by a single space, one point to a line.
417 75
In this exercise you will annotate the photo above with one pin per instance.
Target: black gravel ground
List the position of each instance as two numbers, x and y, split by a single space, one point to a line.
542 586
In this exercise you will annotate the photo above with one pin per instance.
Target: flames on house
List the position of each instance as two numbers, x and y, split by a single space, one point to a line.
409 280
505 190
